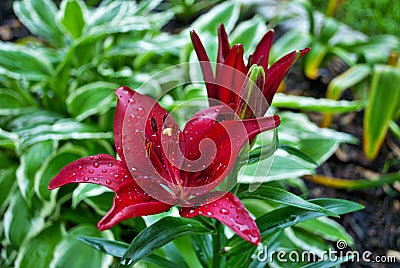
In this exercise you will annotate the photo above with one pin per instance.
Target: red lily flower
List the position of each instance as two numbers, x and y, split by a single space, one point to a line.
162 166
227 85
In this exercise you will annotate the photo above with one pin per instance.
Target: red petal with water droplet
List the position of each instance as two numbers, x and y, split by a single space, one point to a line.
262 50
277 72
223 44
150 139
99 169
231 75
229 137
124 96
231 212
205 66
131 201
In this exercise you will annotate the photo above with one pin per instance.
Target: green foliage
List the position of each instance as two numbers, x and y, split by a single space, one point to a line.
372 17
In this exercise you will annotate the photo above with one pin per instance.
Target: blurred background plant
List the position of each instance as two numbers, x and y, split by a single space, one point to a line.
57 105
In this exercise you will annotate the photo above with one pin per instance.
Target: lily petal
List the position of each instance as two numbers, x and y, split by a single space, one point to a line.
131 201
229 137
277 72
205 66
231 212
151 139
99 169
124 96
223 44
261 53
231 75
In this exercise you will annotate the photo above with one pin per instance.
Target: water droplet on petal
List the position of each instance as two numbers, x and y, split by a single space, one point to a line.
110 164
224 211
95 179
91 171
91 157
96 165
86 179
134 172
108 181
104 170
80 168
140 111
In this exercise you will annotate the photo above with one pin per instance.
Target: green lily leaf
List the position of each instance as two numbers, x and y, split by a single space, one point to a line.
349 78
316 105
158 235
283 217
283 197
71 252
383 101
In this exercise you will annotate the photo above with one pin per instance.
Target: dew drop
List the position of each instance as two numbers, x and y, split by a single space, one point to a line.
91 171
91 157
119 150
224 211
140 111
134 172
86 179
80 168
132 101
108 181
104 170
110 164
133 118
96 165
95 179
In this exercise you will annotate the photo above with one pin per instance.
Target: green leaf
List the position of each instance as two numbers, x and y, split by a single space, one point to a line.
17 221
7 182
349 78
110 247
52 165
327 228
63 129
11 102
290 41
117 249
71 252
226 13
248 34
90 99
296 152
159 234
383 99
283 217
40 17
313 60
280 166
355 184
283 197
299 132
31 161
73 20
38 252
316 105
84 191
328 29
23 63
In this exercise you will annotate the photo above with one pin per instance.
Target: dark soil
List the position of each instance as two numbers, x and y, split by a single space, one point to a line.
377 227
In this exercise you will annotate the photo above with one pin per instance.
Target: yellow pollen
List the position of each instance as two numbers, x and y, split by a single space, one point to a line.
167 131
